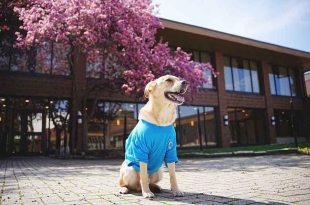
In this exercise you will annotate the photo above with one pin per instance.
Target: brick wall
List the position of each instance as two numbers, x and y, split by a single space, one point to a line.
34 85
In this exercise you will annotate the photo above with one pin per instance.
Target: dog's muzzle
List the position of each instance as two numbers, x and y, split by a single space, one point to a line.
177 97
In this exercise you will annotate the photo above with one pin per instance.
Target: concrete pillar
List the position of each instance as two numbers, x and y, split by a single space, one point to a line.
223 130
77 102
270 129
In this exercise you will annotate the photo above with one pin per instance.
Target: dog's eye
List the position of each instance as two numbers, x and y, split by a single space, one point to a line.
168 80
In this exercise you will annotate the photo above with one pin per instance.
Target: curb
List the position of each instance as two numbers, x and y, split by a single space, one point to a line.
198 154
240 153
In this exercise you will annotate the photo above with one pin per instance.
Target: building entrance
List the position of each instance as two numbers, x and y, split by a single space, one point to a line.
27 131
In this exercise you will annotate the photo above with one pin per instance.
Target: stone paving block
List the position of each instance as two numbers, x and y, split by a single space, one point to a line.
75 203
54 199
37 201
99 202
242 202
303 202
256 180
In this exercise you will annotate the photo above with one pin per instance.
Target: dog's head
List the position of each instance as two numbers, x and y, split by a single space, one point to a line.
168 87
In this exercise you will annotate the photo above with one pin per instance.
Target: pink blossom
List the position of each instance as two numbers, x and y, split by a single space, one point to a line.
118 36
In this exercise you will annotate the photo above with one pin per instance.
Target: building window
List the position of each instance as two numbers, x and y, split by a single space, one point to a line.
282 80
196 126
111 124
200 57
50 58
283 119
204 57
307 83
241 75
247 126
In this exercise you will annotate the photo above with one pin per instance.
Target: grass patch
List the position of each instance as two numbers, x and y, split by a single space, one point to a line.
301 146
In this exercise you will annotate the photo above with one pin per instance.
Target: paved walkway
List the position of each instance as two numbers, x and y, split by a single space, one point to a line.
281 179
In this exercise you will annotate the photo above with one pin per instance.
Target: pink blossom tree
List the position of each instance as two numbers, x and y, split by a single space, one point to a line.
117 38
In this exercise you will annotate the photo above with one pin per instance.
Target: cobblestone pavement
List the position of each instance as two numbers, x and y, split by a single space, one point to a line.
277 179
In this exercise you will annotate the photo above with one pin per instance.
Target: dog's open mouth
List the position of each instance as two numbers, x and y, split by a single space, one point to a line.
176 97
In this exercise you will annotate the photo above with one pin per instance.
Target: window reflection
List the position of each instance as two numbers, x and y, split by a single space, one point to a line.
283 121
307 83
197 126
282 80
49 58
201 57
241 75
206 58
34 143
34 122
112 122
57 125
246 126
189 126
228 74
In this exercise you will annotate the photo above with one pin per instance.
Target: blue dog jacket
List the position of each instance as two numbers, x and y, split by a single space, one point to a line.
152 145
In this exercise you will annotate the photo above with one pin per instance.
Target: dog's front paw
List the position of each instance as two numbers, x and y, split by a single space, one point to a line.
177 193
147 194
123 190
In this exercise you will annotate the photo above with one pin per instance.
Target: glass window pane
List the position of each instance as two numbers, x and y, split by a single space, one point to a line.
307 83
189 126
254 73
210 124
271 80
283 123
6 52
35 122
172 49
241 75
34 143
236 77
232 125
246 77
292 81
228 74
206 58
117 119
16 122
282 82
195 56
202 126
60 62
43 59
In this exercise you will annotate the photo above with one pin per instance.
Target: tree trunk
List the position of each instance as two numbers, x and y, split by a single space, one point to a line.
84 130
73 123
58 140
107 135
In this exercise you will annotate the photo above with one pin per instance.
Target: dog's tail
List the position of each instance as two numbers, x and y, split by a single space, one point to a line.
155 188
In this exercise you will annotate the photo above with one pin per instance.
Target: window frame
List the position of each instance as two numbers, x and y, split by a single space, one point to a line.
274 73
251 76
306 92
191 51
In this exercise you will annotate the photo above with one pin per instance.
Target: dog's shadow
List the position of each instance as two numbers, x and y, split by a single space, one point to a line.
166 196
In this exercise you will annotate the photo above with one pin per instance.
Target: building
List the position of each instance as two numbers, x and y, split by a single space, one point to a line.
262 90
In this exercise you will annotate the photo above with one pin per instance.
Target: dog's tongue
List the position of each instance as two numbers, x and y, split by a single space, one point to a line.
179 97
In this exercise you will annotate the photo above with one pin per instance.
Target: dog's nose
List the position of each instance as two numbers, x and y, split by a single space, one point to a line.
184 82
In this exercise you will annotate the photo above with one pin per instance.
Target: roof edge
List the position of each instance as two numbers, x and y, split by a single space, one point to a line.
231 37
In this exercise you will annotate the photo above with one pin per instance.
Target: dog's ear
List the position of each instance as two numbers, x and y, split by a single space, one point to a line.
148 88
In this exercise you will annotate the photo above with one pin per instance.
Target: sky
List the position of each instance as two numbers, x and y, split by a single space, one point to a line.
281 22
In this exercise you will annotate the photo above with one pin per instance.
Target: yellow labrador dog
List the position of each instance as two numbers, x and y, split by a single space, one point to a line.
153 140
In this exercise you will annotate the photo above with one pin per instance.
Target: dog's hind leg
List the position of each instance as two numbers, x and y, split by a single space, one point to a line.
154 179
129 179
